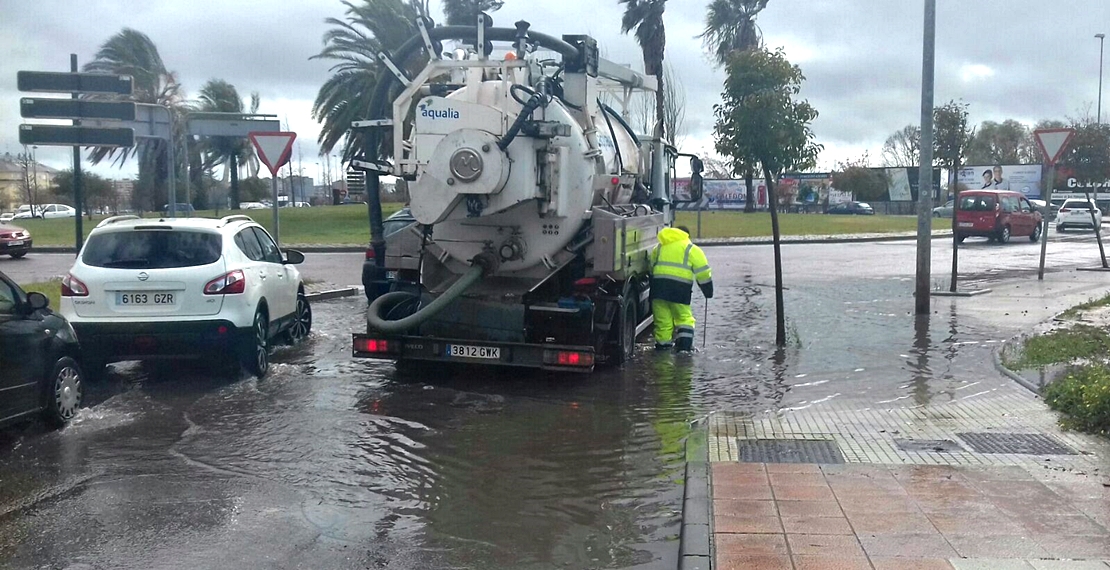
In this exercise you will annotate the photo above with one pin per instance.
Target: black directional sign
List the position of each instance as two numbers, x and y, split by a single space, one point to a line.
60 135
76 109
46 81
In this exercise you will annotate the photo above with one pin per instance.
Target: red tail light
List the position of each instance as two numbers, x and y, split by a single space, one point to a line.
568 358
73 287
369 253
1063 210
372 345
227 284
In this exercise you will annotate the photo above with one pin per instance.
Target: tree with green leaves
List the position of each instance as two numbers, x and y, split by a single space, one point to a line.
1088 158
131 52
730 27
646 18
760 121
865 183
96 191
353 44
1008 142
219 96
465 12
950 138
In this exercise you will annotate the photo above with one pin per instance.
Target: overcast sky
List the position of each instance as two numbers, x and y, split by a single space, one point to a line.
862 58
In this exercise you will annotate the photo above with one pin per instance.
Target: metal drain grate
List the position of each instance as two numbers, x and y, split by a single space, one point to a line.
1015 443
929 445
789 451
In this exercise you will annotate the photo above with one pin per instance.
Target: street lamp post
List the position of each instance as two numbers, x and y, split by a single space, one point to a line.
1101 40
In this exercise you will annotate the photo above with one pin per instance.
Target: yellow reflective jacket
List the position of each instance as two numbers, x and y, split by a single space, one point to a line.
676 264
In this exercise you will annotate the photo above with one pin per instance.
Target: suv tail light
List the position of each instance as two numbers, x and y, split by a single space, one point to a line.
73 287
1063 210
369 253
229 283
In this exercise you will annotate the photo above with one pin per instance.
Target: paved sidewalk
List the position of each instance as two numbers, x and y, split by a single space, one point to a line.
806 516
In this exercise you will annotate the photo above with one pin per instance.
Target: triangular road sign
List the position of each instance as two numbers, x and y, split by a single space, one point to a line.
1053 142
273 148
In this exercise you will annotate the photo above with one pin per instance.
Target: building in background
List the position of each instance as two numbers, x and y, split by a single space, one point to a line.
17 175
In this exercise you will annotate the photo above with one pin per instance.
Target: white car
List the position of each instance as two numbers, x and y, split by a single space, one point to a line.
6 217
252 206
220 290
58 211
26 213
1077 214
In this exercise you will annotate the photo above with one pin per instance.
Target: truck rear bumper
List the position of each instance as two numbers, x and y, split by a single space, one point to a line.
463 351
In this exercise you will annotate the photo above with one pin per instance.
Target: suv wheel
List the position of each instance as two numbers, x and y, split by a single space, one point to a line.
66 389
256 353
1004 235
1036 235
302 321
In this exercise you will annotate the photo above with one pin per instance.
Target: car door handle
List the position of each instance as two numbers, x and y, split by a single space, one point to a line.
262 275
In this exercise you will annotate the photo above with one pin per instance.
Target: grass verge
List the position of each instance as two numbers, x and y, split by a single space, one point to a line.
1083 396
52 290
1060 346
347 225
1078 310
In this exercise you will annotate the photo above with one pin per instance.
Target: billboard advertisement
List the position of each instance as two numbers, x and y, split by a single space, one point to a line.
720 194
1024 178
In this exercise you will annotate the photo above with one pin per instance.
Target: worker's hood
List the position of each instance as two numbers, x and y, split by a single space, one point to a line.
670 235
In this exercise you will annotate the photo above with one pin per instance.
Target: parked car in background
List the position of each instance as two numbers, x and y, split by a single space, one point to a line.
39 372
252 206
946 210
14 241
27 212
856 208
201 288
50 211
182 209
7 217
1077 214
997 215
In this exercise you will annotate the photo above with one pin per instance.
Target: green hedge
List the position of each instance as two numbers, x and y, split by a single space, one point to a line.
1083 396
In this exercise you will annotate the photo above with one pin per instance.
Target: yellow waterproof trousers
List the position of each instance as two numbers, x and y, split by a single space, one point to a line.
672 321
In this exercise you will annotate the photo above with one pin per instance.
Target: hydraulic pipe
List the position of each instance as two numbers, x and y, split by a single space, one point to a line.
375 321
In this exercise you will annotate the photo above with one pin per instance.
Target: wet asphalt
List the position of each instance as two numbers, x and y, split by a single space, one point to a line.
331 462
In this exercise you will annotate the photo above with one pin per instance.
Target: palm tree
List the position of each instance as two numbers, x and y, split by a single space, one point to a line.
465 12
370 26
730 26
131 52
646 17
219 96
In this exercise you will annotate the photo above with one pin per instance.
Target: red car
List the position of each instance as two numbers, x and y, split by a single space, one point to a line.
14 241
997 215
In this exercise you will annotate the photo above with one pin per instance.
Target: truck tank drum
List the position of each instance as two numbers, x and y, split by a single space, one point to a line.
525 203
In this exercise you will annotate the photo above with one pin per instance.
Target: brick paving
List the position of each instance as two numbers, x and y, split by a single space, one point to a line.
868 516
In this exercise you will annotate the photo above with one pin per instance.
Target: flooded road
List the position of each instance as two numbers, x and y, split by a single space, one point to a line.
338 463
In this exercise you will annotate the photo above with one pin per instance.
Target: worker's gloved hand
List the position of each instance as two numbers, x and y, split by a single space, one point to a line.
707 290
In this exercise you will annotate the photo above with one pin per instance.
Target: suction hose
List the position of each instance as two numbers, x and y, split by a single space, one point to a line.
376 322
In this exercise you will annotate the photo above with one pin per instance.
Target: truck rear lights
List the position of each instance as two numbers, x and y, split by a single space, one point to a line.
568 358
373 345
229 283
370 253
73 287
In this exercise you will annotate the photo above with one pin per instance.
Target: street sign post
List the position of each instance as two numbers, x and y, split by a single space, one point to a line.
1052 143
274 150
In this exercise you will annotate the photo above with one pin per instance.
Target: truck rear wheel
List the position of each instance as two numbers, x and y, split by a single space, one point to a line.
628 324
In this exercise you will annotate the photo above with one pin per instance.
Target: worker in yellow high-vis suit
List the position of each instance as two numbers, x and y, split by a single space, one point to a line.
676 265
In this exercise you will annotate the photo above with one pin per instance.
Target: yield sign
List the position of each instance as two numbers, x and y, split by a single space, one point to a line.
1053 142
273 148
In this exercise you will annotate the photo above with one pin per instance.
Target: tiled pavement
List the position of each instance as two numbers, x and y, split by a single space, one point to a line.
893 505
807 516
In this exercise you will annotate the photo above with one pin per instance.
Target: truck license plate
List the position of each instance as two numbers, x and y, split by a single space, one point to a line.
144 298
966 224
466 351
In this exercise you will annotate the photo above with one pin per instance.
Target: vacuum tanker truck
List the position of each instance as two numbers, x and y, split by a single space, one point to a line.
536 204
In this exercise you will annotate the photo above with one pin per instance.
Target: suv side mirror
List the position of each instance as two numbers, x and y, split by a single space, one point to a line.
293 257
37 301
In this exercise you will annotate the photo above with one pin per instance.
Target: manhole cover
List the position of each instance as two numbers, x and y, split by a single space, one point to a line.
929 445
790 451
1015 443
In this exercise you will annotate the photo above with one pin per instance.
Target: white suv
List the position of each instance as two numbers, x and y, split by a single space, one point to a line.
1077 214
178 288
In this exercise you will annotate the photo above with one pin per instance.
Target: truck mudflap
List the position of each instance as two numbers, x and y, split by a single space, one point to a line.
463 351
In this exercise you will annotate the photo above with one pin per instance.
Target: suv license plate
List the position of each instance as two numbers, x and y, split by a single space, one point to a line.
466 351
151 298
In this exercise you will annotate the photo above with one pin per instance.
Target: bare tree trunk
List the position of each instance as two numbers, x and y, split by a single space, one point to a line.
1094 222
749 204
780 313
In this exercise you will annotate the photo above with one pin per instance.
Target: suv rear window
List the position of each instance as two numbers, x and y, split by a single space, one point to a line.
152 249
977 203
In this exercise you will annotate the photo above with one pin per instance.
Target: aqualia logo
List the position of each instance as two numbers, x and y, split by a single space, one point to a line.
433 114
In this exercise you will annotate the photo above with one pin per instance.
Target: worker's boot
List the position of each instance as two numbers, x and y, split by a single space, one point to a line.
684 344
661 346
